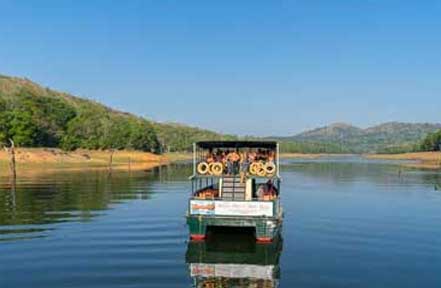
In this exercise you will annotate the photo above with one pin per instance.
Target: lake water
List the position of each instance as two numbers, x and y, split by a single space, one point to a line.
348 223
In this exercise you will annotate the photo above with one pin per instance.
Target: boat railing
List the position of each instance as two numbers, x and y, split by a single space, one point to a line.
223 160
235 200
232 188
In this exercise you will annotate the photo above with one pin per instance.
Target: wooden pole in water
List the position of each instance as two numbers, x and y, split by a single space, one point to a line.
11 154
13 183
111 160
439 162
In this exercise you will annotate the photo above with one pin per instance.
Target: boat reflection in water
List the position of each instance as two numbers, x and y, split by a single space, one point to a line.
229 259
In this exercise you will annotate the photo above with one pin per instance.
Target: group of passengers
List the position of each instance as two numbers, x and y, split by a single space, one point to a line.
239 161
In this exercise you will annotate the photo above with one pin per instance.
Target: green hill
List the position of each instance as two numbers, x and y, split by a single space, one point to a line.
177 137
34 116
387 137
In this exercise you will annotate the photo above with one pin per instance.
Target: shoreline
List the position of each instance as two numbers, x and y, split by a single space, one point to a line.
41 160
424 160
311 155
31 161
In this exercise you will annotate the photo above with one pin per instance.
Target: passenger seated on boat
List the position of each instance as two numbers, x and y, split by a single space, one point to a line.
232 162
244 167
210 157
258 155
271 188
230 167
223 158
208 193
267 191
234 156
260 191
252 156
219 156
261 155
271 156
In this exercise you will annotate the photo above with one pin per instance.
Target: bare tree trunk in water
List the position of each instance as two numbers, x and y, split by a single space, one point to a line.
130 164
11 154
111 160
13 183
439 162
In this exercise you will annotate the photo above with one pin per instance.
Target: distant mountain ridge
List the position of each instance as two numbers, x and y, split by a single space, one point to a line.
336 131
372 139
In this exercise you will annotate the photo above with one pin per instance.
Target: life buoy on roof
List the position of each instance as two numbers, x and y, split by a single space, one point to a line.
261 172
255 167
216 168
203 168
270 168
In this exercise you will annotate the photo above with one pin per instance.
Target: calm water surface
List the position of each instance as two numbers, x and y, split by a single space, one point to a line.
348 223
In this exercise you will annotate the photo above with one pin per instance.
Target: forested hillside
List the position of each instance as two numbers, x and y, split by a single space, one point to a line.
34 116
292 146
177 137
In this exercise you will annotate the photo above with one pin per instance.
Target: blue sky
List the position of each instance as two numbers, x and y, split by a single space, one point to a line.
242 67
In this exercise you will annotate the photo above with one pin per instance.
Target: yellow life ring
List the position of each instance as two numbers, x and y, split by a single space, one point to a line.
254 167
261 172
216 168
270 168
251 169
210 168
203 168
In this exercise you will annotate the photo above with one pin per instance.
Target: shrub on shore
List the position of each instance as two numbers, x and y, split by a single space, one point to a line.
432 142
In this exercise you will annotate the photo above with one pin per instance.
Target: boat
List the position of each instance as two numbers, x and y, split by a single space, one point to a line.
235 184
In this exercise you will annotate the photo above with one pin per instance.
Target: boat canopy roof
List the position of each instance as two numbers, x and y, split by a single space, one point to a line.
237 144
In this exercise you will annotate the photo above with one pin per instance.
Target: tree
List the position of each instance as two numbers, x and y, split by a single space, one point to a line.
4 122
98 128
23 129
143 137
84 131
432 142
50 116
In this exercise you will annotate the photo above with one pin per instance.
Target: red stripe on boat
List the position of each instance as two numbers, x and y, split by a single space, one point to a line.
197 237
264 239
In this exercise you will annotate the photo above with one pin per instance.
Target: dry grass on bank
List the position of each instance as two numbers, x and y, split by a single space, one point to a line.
309 156
38 159
428 160
178 156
